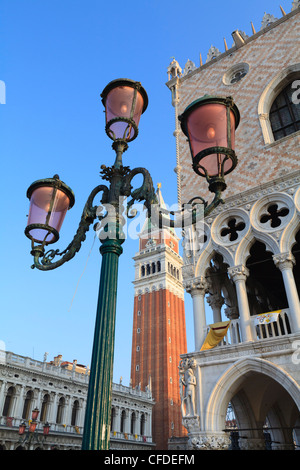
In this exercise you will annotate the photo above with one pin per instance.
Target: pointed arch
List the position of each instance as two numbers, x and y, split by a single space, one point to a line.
207 255
231 380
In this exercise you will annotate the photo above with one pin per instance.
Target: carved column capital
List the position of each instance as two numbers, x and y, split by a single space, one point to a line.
215 300
284 261
198 285
231 313
238 273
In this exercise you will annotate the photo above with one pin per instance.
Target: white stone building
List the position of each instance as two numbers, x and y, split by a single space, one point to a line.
244 266
59 390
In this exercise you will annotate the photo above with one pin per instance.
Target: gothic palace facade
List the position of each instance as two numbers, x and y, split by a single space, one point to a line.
243 265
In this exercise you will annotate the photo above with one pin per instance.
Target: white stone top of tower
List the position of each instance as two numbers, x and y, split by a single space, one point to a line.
174 69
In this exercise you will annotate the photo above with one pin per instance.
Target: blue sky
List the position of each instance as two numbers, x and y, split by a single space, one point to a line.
56 57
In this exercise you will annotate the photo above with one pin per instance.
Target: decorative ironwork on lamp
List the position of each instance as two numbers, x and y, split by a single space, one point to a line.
32 435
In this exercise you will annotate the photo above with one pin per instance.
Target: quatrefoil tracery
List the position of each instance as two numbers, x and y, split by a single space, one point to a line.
232 229
274 215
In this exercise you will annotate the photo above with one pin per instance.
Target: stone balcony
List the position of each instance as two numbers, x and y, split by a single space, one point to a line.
260 331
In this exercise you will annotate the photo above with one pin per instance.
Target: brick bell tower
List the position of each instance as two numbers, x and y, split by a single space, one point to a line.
159 331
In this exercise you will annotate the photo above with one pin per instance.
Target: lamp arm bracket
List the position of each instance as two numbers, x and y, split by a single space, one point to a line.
215 202
145 193
43 261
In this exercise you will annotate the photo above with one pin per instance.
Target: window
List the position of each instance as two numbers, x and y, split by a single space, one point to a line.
45 405
237 76
8 401
27 403
132 423
235 73
142 424
123 421
60 409
285 113
75 411
286 80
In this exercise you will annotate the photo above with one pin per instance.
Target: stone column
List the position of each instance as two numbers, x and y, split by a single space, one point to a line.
17 406
197 288
20 401
81 412
127 421
53 407
239 275
69 403
2 395
285 262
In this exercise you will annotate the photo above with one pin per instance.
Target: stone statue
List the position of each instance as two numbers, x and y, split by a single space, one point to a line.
188 380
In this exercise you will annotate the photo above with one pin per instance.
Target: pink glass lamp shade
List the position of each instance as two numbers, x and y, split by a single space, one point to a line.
124 101
49 201
32 426
210 123
46 429
22 428
35 414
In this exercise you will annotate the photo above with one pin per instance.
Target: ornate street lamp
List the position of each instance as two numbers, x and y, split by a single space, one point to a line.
124 101
210 123
35 414
22 428
32 433
49 201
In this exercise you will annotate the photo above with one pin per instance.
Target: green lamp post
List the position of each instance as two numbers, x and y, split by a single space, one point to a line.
124 101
